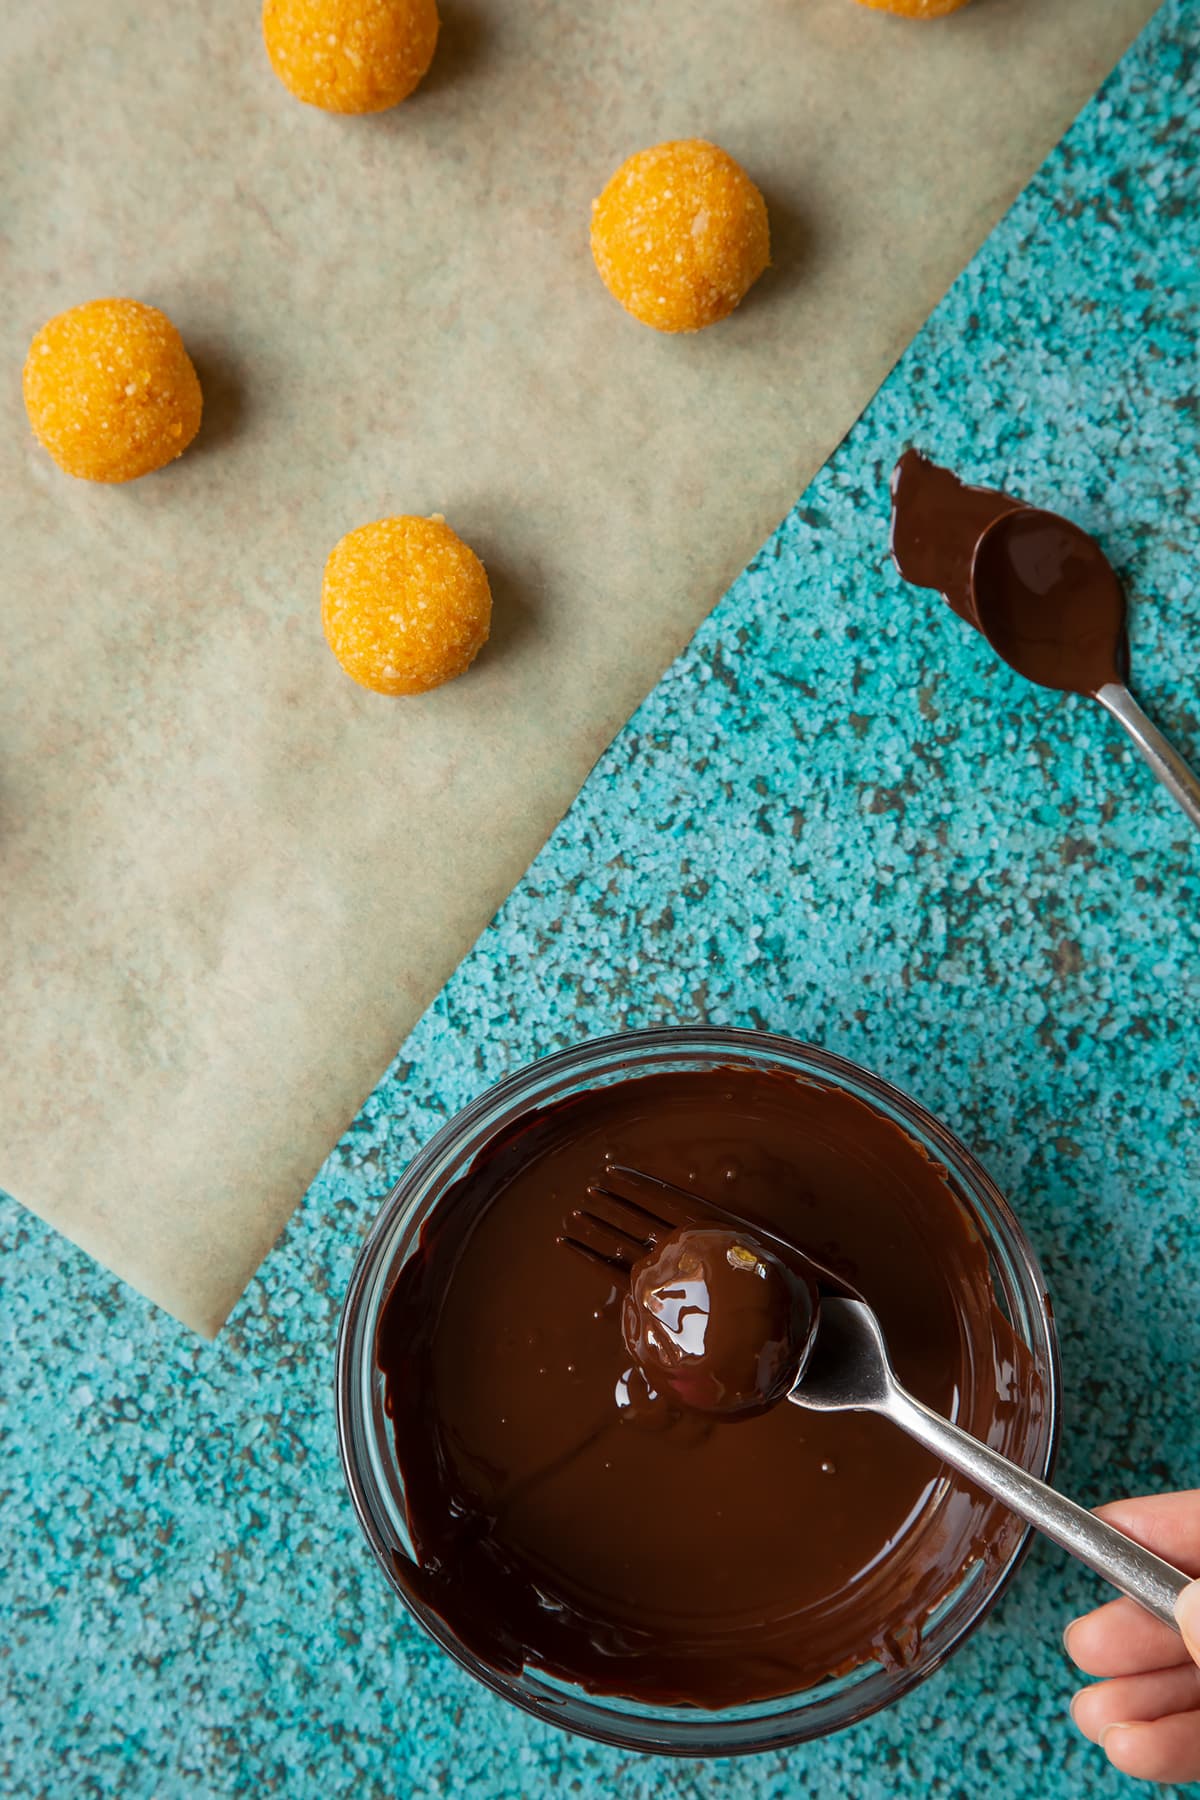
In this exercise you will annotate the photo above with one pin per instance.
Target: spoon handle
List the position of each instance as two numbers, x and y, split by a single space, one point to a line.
1180 781
1145 1577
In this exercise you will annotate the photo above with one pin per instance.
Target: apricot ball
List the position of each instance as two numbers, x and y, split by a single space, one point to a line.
916 9
110 390
680 235
350 56
406 605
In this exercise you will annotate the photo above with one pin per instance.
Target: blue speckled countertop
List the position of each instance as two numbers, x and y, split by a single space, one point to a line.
836 817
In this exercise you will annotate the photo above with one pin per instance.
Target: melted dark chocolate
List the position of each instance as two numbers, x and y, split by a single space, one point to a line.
716 1320
569 1516
937 520
1038 587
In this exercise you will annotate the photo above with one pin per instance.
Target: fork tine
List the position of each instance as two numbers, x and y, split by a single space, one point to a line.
639 1182
630 1204
617 1261
641 1244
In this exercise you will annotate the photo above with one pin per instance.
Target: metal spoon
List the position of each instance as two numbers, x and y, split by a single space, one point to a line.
1156 751
848 1371
1050 603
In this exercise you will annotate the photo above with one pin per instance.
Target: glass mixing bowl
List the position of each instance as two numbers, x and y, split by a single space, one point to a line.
374 1476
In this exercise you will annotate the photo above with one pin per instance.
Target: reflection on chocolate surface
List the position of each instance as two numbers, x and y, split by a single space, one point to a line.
569 1515
1038 587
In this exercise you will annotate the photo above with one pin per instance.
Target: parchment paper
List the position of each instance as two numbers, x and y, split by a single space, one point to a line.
231 879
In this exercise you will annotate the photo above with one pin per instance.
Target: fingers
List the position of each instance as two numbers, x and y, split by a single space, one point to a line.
1168 1524
1168 1750
1122 1639
1187 1612
1136 1699
1147 1715
1119 1638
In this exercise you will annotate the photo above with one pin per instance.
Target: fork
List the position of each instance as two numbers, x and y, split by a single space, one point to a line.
620 1227
850 1371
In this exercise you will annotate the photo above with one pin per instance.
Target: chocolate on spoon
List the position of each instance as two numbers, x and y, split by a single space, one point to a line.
1037 587
1047 599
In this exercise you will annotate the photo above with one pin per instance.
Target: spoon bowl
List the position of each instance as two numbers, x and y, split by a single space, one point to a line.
1049 601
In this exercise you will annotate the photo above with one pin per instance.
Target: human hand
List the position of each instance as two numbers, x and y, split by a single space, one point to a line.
1146 1712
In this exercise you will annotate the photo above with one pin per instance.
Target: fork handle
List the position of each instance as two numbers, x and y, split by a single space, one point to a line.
1146 1578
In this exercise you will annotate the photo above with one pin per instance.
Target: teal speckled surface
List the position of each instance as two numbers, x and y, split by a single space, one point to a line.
836 817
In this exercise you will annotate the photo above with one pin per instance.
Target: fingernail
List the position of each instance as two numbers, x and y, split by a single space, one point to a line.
1075 1699
1187 1614
1066 1636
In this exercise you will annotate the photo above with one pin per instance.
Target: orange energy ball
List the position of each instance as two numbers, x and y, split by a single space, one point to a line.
110 390
350 56
680 235
406 605
916 9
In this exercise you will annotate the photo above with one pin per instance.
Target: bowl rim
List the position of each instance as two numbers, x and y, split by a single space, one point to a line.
708 1734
